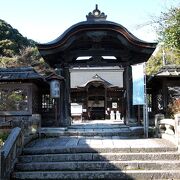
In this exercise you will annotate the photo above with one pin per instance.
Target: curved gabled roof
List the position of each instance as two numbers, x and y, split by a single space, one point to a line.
86 26
97 79
96 37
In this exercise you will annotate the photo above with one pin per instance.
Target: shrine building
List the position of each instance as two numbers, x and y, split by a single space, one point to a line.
94 57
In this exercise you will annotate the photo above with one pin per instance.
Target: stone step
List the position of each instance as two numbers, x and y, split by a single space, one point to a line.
56 132
89 130
84 149
99 132
46 131
99 157
98 126
98 165
114 174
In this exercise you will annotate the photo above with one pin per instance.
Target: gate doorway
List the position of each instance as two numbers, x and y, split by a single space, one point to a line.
96 102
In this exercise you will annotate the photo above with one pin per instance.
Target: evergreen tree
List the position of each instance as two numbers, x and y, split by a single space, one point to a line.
16 50
11 41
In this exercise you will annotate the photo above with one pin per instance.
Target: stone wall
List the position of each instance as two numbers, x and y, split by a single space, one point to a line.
29 124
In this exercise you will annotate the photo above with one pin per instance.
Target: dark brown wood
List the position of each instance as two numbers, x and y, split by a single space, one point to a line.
105 101
95 37
127 95
68 104
167 77
139 115
65 99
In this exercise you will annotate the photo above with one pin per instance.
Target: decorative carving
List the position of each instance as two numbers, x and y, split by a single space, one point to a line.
96 15
97 36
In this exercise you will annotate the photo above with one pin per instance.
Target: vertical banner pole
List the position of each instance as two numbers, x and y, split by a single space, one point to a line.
145 108
139 92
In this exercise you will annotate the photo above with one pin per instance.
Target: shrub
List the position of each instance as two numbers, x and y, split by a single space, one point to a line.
174 107
3 137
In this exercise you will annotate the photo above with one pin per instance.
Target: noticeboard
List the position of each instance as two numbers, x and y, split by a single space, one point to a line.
76 108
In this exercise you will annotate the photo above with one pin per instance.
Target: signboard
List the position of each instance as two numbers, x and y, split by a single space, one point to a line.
92 103
55 89
138 84
76 108
114 104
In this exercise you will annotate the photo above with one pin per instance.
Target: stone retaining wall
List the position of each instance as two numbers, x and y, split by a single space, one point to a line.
29 124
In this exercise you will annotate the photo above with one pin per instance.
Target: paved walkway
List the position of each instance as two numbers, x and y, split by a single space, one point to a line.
99 141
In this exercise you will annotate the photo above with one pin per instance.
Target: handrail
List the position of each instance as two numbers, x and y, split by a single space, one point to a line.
15 142
10 151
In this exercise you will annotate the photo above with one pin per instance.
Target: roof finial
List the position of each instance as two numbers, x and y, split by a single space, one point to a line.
96 15
96 7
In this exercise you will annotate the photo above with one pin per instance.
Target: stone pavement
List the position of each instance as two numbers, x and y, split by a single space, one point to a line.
100 142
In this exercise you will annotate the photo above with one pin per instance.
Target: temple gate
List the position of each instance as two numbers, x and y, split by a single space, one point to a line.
95 42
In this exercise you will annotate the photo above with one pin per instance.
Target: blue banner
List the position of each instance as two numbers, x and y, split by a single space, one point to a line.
138 84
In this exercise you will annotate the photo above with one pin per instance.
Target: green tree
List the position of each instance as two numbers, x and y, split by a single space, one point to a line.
169 28
16 50
154 63
6 62
169 35
11 41
30 56
7 48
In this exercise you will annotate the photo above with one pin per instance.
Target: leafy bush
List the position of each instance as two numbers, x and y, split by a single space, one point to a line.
174 107
3 137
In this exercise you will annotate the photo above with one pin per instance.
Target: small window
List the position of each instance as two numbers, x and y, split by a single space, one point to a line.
47 101
109 57
80 58
15 99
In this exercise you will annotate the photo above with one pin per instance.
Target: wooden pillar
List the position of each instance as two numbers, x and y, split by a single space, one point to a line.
87 109
165 96
60 101
61 105
105 102
139 114
64 114
66 97
128 93
154 102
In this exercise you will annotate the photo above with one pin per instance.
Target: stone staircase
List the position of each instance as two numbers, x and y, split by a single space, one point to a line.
97 129
98 163
97 152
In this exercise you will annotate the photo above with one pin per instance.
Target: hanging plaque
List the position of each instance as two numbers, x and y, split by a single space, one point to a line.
114 104
55 89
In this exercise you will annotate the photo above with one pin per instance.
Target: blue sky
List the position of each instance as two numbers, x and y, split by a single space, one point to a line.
45 20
